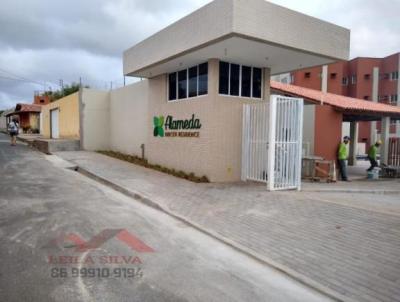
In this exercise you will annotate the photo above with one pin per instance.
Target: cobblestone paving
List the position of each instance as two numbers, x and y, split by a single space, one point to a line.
351 250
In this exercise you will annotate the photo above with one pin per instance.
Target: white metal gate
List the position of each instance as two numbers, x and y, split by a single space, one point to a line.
278 124
255 142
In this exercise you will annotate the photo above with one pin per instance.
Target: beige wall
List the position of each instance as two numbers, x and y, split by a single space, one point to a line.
95 120
68 116
122 120
217 153
129 118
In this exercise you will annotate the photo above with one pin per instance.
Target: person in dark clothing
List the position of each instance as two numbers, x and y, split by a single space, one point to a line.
13 130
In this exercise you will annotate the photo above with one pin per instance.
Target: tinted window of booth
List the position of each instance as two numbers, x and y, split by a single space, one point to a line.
223 78
237 80
188 83
182 84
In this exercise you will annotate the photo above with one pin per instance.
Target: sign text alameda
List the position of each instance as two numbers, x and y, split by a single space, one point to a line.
170 127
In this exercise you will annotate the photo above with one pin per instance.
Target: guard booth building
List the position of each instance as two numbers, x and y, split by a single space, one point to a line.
197 75
203 68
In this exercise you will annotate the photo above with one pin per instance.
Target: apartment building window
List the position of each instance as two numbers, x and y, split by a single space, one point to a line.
394 76
353 79
333 76
238 80
307 75
188 83
394 98
345 81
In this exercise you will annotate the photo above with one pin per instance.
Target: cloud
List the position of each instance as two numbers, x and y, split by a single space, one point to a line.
47 40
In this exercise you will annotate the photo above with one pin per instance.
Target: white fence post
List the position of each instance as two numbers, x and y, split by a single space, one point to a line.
272 143
300 142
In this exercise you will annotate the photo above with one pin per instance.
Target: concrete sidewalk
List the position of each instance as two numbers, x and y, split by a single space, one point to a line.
346 245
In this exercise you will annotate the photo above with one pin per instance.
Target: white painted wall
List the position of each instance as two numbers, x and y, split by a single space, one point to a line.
3 119
324 81
309 128
3 122
129 118
95 120
375 97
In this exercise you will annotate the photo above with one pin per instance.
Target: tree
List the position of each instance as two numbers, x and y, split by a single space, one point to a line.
59 94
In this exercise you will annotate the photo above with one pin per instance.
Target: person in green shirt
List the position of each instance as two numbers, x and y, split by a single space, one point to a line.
372 155
343 155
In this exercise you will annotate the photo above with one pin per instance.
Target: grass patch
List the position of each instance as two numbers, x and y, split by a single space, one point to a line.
144 163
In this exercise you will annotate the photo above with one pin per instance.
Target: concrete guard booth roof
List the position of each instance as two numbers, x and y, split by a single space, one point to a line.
248 32
253 33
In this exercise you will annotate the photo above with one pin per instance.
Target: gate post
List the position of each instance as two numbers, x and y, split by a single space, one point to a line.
245 143
300 138
271 143
385 139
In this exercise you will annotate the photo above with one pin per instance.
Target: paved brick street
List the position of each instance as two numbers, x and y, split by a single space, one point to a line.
351 250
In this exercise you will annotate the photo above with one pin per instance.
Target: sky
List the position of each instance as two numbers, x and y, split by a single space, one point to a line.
43 41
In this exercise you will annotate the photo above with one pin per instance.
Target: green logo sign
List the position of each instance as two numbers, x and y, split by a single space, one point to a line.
158 122
171 127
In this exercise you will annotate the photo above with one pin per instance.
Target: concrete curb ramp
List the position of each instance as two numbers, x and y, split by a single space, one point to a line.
49 146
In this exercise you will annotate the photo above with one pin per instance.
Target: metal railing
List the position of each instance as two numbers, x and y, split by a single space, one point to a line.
394 152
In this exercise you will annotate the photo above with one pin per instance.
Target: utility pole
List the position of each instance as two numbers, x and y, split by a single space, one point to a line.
62 87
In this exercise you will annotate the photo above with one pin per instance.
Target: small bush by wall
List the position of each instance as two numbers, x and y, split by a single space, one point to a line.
144 163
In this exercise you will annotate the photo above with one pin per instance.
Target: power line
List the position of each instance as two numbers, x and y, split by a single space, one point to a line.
19 80
21 77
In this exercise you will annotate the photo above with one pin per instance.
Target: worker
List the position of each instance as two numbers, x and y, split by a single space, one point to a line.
343 155
372 155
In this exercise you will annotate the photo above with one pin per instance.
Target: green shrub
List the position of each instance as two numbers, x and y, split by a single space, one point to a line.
144 163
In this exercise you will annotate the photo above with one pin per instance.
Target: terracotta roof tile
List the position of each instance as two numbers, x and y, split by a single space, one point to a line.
28 108
343 103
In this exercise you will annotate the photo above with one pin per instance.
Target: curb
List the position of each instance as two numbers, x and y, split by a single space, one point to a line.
238 247
376 192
